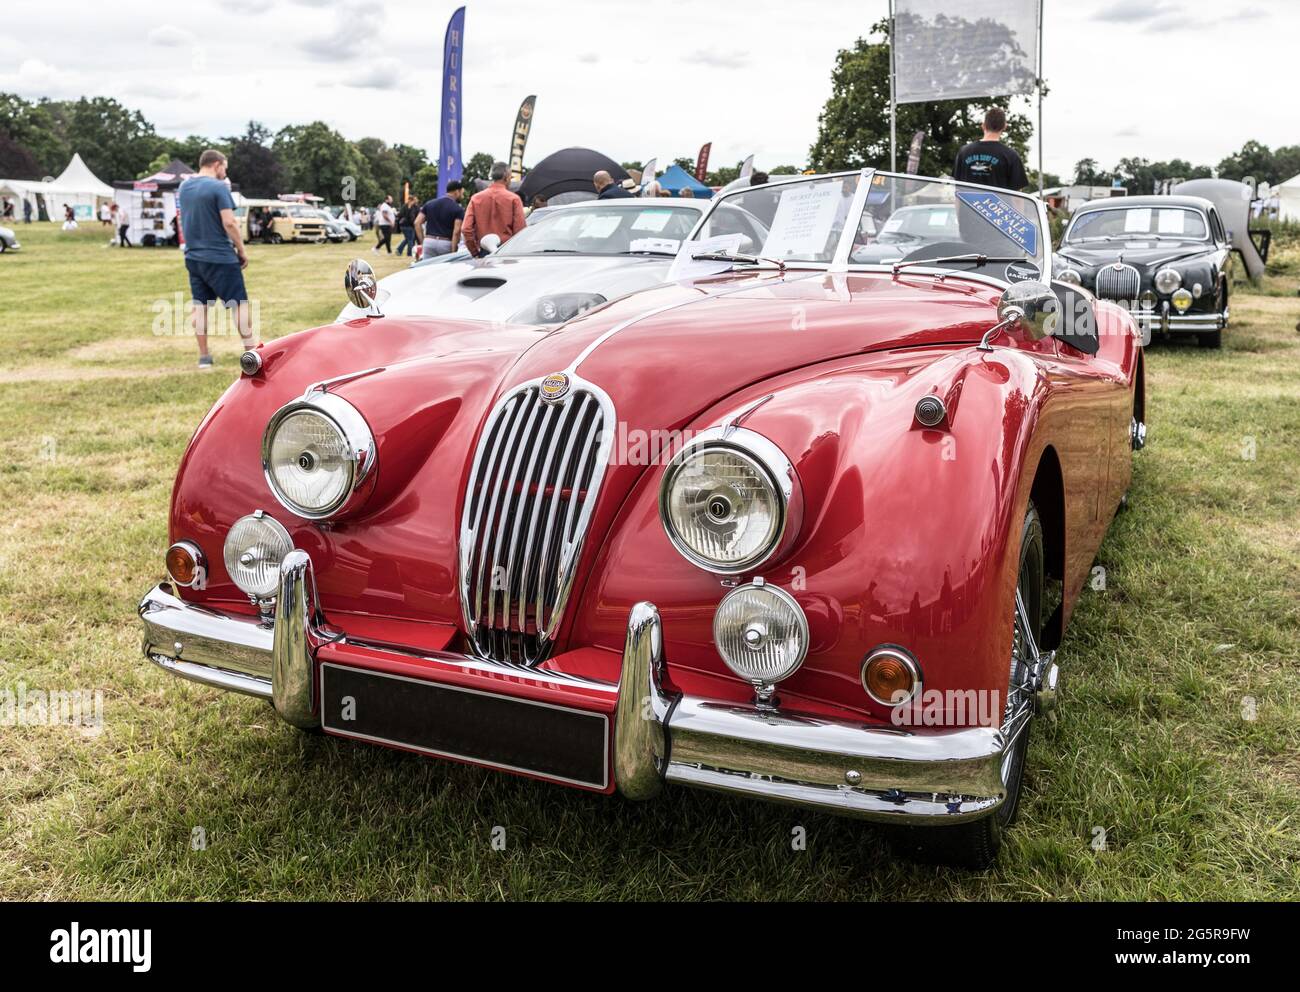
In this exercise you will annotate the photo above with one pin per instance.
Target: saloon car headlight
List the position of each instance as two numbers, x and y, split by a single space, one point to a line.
255 547
1070 276
558 308
316 452
761 633
727 500
1167 280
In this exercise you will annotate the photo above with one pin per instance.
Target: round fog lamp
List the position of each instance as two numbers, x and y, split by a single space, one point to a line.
255 547
1148 300
761 633
890 676
1182 300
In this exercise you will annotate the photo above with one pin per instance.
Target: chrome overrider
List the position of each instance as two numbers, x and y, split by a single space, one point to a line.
660 737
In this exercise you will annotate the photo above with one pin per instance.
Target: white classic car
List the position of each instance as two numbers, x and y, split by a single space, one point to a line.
578 256
8 240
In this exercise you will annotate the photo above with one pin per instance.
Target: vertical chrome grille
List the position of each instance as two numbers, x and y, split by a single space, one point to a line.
532 489
1118 282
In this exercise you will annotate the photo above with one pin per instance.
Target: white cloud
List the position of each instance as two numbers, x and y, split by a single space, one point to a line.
170 36
383 74
640 86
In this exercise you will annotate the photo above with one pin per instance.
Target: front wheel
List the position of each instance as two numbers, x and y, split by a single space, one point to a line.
1212 339
975 844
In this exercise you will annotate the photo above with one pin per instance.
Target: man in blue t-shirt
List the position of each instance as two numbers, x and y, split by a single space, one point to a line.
214 251
438 223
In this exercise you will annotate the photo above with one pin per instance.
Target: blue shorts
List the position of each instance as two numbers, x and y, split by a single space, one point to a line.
212 281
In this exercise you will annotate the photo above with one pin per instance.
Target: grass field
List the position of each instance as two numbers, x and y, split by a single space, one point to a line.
1179 734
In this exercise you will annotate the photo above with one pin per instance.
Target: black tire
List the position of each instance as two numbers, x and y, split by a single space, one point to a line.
4 246
975 844
1212 339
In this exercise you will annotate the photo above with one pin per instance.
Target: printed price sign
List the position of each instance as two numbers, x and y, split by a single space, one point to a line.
1009 221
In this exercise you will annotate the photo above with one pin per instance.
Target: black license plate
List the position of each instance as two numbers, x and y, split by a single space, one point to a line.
554 742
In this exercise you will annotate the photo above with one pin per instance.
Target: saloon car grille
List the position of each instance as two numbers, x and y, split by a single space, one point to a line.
1118 282
532 489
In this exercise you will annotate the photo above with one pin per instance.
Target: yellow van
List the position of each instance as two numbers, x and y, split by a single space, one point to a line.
274 221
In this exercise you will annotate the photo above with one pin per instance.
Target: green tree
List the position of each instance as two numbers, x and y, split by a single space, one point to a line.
33 126
479 166
411 159
1256 160
853 128
1140 177
254 166
385 167
424 185
16 160
1088 173
320 160
114 142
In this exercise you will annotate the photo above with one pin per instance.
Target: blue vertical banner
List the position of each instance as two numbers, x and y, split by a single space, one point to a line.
453 48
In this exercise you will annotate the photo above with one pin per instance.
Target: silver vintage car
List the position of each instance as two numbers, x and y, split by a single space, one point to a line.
576 257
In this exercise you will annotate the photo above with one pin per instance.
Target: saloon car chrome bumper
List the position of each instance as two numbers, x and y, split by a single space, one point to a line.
840 766
1180 323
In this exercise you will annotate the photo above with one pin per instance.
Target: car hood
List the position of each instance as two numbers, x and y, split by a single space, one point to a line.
1138 257
664 357
497 288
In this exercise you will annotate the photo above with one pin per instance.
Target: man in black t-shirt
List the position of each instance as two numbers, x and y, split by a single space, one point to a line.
438 223
988 161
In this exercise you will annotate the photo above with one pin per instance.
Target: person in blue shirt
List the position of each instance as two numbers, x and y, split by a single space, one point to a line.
214 251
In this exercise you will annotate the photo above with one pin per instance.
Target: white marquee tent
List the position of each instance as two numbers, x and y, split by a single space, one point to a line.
76 186
1288 199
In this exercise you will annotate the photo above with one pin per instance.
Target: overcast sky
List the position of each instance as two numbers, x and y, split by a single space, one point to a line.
1155 78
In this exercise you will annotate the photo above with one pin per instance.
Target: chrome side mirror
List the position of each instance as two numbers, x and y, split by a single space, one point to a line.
361 286
1030 306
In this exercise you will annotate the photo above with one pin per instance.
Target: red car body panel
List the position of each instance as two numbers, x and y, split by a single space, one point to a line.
909 536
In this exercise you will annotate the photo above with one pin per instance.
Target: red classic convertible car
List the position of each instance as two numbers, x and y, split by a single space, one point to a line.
804 523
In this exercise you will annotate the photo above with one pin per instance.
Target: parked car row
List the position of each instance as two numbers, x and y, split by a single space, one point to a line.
788 495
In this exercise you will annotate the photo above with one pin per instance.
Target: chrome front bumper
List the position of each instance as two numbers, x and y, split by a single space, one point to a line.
839 766
1179 323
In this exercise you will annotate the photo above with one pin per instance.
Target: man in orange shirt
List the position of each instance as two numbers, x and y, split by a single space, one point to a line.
495 210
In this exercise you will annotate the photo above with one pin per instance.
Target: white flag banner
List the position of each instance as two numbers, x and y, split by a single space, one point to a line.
955 49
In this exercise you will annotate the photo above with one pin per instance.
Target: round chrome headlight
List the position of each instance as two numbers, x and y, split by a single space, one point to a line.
728 499
761 633
1070 276
316 452
255 547
1167 280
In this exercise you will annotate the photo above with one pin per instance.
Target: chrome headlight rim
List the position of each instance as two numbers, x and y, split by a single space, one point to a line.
1167 281
801 623
771 463
356 434
1071 276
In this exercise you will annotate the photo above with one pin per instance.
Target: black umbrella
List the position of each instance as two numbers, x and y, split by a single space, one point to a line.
568 171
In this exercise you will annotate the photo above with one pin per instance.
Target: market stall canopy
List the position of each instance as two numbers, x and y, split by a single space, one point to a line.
78 177
1232 200
76 186
675 179
1288 199
568 171
169 177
